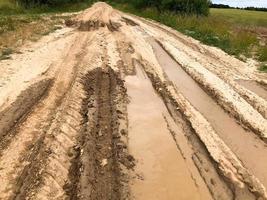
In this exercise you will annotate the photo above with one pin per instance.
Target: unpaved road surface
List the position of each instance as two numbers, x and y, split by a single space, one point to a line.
114 106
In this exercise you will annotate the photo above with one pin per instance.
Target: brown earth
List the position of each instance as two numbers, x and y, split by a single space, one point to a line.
114 106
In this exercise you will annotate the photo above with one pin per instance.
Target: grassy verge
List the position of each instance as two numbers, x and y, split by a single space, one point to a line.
237 32
15 30
18 25
9 7
243 17
263 68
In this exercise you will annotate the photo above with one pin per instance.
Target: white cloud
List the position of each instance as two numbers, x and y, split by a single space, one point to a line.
243 3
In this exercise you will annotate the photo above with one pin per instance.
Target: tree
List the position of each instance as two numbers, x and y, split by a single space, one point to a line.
198 7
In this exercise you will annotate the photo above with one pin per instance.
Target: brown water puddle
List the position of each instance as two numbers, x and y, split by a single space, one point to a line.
244 144
254 87
161 170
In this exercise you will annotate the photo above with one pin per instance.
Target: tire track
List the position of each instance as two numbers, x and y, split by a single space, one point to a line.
68 136
101 144
16 158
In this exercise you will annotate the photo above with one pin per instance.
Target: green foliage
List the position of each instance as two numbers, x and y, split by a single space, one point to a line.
5 54
52 4
8 23
12 7
196 7
263 54
241 17
211 30
263 68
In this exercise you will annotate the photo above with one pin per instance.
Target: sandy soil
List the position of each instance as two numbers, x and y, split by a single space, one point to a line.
114 106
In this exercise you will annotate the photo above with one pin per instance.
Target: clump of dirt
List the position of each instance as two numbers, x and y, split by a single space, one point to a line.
90 25
70 22
97 169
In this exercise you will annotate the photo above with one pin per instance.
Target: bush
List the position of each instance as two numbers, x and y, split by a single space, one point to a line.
197 7
50 3
263 54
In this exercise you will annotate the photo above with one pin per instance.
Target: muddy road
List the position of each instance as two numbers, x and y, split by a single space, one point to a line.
113 106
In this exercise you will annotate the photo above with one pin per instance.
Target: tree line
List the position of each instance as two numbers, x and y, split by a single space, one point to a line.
196 7
229 7
189 7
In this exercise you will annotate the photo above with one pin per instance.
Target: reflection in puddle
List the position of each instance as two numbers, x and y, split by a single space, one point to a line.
164 173
243 143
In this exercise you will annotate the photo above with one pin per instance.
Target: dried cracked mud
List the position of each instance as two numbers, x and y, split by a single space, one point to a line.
114 106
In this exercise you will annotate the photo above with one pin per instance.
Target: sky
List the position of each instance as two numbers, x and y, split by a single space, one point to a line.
242 3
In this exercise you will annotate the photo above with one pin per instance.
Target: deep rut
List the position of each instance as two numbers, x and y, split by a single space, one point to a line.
100 142
226 126
114 118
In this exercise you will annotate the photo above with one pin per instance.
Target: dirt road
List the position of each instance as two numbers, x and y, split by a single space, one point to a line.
114 106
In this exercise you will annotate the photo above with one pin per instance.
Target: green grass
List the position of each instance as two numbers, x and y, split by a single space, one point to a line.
5 54
263 54
263 68
9 7
241 17
231 30
237 32
18 24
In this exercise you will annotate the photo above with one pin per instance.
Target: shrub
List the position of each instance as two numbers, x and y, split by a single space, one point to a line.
197 7
263 54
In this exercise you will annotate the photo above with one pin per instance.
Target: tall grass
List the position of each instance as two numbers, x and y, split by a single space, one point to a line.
210 30
11 7
227 29
263 54
241 17
8 7
19 24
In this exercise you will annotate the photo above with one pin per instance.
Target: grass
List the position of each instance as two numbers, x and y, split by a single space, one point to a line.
234 31
237 32
9 7
263 68
263 54
243 17
18 25
5 54
15 30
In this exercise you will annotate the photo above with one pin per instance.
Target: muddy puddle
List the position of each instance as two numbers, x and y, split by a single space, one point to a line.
161 171
243 143
254 87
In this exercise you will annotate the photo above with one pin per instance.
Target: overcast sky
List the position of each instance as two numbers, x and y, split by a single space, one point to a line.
243 3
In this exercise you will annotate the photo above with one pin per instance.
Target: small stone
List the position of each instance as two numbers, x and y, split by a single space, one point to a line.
100 133
104 162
